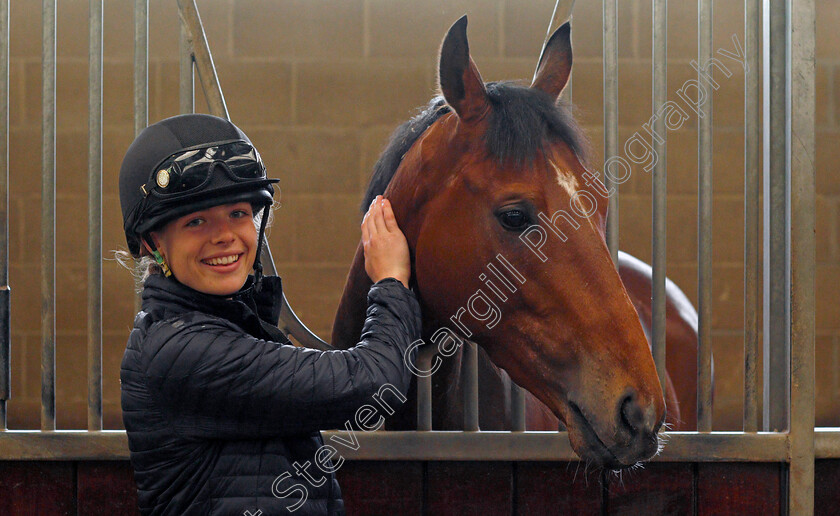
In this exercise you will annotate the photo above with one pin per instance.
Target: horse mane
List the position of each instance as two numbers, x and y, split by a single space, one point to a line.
521 120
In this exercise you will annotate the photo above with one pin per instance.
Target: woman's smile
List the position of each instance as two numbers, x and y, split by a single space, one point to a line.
222 260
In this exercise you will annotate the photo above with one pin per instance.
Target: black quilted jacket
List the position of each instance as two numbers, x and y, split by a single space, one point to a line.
219 408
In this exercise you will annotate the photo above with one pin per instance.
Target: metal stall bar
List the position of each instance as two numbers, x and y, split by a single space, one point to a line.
752 209
826 443
141 78
442 445
704 222
801 31
186 91
776 233
660 95
471 386
517 408
552 446
94 308
425 357
5 292
141 65
610 74
203 60
48 219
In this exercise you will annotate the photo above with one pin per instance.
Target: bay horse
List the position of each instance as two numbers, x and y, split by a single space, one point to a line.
480 166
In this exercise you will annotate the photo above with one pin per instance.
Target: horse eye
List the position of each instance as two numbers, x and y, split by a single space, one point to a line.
514 219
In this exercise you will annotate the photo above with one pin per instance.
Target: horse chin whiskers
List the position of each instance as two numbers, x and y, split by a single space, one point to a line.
585 472
626 473
590 467
617 474
662 439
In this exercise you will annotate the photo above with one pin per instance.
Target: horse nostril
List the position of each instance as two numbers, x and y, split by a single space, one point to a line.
631 414
639 419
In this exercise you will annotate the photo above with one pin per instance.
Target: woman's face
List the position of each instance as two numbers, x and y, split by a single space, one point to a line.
212 250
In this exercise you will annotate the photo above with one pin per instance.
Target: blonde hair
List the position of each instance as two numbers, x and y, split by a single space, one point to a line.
141 267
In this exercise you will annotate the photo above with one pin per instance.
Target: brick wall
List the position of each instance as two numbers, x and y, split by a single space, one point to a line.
319 85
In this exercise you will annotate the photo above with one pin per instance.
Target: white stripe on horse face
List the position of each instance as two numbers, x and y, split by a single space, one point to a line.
565 179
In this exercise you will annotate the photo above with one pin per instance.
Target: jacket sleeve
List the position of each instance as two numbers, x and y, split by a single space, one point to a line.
212 380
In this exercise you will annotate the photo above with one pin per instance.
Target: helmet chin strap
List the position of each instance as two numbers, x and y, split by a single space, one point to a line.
258 268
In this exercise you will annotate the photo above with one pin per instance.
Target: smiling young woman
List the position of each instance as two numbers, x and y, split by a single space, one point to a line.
220 409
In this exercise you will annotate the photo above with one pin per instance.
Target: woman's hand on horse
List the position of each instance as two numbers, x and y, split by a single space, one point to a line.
386 250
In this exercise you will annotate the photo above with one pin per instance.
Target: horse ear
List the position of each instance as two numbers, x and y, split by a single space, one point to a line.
555 64
460 81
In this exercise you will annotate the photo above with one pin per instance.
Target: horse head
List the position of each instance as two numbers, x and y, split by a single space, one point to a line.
506 228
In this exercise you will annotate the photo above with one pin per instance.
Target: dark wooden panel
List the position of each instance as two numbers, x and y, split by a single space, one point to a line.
381 488
659 488
557 488
467 488
826 487
37 488
106 488
739 489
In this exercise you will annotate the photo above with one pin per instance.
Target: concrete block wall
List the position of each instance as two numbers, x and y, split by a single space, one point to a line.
319 85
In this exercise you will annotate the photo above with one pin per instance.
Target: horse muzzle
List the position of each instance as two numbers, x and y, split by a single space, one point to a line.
630 435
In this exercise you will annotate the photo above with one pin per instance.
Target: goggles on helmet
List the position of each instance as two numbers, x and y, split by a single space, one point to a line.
190 170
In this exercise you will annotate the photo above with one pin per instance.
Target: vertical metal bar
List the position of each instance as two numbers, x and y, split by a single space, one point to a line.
5 292
517 408
203 59
424 389
801 29
752 208
704 222
776 231
94 308
141 65
187 81
610 29
471 387
48 220
141 78
660 84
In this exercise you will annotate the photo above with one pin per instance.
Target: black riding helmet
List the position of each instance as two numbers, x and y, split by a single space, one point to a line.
189 163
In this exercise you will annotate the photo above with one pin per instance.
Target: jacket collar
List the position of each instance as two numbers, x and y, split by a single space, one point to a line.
167 297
